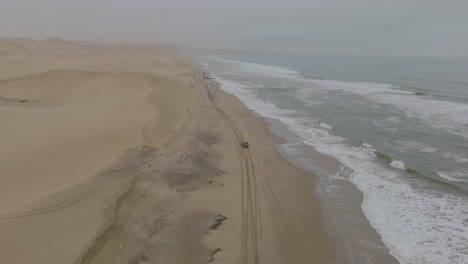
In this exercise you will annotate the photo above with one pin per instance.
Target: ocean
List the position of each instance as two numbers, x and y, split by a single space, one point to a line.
393 129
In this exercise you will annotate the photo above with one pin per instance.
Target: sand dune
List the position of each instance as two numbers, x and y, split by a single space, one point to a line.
64 127
113 153
9 48
86 118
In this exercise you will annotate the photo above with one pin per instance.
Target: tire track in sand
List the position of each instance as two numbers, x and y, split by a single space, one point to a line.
251 223
91 190
251 171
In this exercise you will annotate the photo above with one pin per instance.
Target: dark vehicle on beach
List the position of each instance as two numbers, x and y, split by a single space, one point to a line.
244 144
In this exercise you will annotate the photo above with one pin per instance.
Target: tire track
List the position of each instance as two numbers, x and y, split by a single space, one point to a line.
251 223
251 213
288 249
87 193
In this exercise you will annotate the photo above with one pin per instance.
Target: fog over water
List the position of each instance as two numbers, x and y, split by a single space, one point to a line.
389 27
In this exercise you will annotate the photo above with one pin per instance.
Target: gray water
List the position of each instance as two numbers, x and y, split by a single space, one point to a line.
397 128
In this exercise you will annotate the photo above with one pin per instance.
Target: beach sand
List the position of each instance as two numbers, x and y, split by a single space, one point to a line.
129 154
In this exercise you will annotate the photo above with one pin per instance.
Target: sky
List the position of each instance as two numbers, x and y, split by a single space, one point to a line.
401 27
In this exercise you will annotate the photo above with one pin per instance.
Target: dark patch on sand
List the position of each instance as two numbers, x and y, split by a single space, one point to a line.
193 172
213 253
218 222
211 139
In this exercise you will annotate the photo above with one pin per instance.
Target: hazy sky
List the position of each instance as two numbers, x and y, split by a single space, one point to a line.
322 26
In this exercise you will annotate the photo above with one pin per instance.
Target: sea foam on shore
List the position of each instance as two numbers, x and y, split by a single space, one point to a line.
418 220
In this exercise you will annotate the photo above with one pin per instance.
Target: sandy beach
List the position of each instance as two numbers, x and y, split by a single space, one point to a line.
131 154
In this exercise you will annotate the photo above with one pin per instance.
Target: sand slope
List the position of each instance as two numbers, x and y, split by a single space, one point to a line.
127 154
65 121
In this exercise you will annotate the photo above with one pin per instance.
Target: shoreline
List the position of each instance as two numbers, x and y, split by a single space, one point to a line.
282 234
410 188
354 238
252 123
341 200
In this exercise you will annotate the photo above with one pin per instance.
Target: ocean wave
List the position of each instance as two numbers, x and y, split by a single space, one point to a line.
459 158
445 115
413 222
395 163
397 89
422 147
245 94
454 176
402 215
383 156
398 164
363 88
448 116
325 125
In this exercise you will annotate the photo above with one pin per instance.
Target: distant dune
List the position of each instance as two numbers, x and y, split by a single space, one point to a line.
10 48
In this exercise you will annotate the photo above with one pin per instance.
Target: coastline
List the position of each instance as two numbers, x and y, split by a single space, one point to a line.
354 240
387 191
293 187
285 223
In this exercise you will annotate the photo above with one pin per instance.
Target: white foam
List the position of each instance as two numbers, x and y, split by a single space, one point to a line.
325 125
454 176
366 145
245 94
363 88
398 164
291 148
405 218
455 156
406 144
417 225
449 116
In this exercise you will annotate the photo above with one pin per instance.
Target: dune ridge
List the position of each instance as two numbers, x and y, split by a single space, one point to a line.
67 123
102 100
